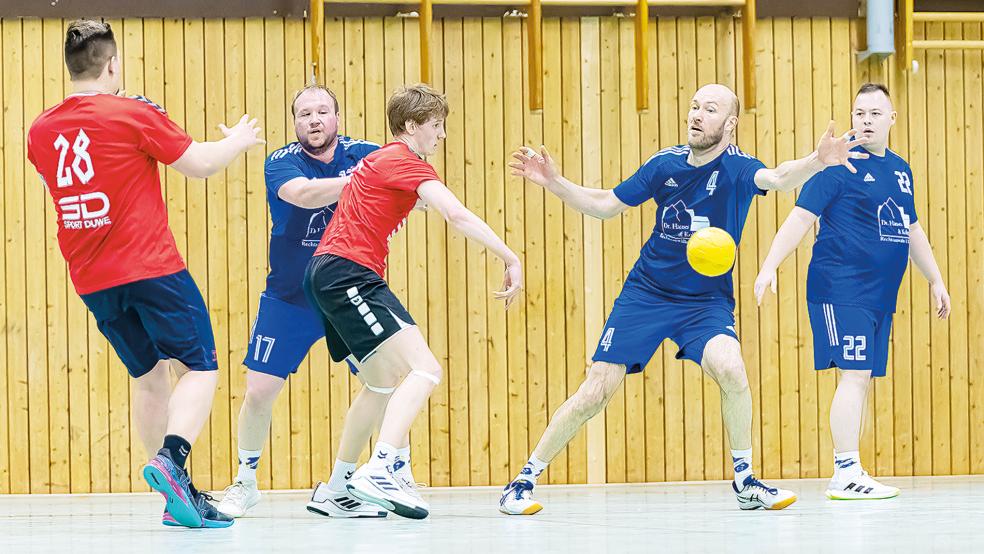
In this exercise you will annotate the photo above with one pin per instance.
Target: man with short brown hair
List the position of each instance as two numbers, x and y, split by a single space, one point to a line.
97 153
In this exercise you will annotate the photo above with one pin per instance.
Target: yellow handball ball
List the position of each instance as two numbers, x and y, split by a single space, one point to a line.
711 251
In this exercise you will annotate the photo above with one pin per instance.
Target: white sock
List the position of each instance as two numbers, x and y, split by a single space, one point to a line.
532 470
341 472
383 455
402 462
742 460
248 459
847 464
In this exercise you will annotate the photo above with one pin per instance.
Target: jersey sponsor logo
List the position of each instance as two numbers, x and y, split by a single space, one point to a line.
85 211
606 339
893 222
712 183
678 222
316 227
670 183
869 178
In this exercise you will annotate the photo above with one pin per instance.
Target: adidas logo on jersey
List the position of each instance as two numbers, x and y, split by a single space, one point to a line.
670 182
869 178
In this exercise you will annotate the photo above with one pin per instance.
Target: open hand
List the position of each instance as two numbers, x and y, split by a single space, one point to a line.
539 168
833 150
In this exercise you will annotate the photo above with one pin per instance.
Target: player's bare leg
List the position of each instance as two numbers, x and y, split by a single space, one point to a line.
151 393
722 361
850 481
364 416
254 426
600 384
188 410
405 353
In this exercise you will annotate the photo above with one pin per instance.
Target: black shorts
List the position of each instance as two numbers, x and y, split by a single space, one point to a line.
357 307
156 319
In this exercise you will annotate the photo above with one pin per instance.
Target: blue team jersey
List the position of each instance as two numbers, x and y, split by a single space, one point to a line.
297 231
717 194
863 246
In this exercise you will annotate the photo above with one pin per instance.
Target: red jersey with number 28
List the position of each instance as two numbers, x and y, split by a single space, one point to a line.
97 155
375 205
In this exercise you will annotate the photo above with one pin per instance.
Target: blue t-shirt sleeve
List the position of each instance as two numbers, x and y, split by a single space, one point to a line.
819 192
912 187
279 171
639 187
746 176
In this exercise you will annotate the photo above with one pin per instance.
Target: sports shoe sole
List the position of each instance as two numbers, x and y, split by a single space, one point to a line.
530 510
178 503
314 509
379 498
777 506
839 495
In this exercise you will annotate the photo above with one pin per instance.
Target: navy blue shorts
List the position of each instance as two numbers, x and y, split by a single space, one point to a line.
281 337
156 319
640 320
849 337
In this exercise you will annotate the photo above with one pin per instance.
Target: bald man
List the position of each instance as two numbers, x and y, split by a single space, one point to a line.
709 182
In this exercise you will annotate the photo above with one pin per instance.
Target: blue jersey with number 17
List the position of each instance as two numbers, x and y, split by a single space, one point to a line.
862 249
716 194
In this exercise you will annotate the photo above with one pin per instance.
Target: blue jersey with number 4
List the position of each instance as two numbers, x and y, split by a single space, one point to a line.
297 231
862 249
716 194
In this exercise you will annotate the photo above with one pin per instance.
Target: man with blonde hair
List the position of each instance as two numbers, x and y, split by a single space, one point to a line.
363 319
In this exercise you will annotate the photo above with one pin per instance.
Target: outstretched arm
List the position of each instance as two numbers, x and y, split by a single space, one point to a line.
922 255
786 240
438 197
540 169
204 159
830 151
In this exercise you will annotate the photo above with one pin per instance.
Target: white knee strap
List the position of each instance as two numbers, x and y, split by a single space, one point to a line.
429 376
379 390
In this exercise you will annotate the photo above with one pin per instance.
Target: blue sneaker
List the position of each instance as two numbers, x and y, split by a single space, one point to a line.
165 477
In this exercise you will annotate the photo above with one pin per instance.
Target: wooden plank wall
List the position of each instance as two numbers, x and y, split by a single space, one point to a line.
64 396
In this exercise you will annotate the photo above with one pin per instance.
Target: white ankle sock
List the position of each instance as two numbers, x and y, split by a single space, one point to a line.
341 472
248 460
847 464
532 470
742 463
383 455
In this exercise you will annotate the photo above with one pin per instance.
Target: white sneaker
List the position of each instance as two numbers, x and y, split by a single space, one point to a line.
859 487
380 487
403 476
340 504
239 497
517 499
756 494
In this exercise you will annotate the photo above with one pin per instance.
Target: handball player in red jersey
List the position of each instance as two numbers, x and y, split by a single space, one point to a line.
362 317
97 153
